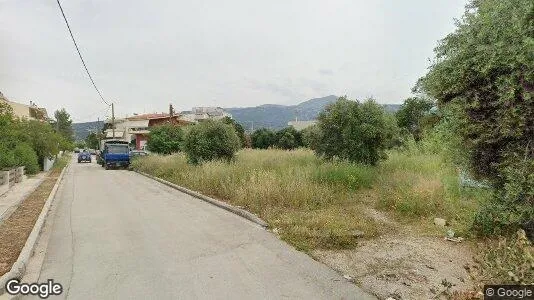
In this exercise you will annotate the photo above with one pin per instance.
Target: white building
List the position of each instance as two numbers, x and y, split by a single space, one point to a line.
301 125
204 113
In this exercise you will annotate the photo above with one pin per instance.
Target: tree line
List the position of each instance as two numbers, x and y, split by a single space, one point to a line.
28 142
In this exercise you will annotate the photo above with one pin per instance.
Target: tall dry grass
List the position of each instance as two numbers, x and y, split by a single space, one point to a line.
420 186
309 201
317 204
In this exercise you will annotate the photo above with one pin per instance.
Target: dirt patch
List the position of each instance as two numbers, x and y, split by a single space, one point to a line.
15 230
404 267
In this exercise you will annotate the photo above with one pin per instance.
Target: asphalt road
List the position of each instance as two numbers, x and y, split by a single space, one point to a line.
119 235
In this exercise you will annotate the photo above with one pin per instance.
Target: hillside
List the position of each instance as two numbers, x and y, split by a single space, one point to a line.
276 116
272 116
81 130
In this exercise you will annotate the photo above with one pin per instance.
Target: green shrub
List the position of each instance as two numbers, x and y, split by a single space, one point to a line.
211 140
311 136
165 139
288 138
26 156
7 157
485 68
412 114
238 129
443 137
354 131
263 138
508 260
512 206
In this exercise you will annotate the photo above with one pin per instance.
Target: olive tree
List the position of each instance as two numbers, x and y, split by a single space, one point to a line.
486 68
165 139
354 131
211 140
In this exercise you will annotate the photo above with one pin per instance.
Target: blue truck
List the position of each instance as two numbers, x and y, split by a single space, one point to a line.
115 154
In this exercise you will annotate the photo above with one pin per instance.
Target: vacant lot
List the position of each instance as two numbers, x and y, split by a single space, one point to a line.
375 224
350 216
317 204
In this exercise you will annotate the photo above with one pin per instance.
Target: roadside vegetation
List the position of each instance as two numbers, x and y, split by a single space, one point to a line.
317 204
28 142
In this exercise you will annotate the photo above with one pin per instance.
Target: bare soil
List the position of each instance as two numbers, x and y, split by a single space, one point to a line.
404 265
15 230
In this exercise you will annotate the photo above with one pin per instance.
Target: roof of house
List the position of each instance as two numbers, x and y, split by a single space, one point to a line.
148 116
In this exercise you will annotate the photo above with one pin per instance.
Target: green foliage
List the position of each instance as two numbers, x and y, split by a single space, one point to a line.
26 142
42 137
6 114
485 67
7 159
211 140
394 136
288 138
344 175
311 136
63 124
80 145
263 138
91 141
238 129
412 114
507 260
358 132
443 137
166 139
26 156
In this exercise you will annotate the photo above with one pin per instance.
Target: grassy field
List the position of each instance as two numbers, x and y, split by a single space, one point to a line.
317 204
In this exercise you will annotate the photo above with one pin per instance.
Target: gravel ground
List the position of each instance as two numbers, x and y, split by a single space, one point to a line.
15 230
404 267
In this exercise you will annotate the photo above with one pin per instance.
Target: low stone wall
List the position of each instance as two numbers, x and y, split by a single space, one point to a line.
10 177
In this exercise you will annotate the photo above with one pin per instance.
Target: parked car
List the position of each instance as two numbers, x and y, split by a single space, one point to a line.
135 153
84 156
92 151
76 150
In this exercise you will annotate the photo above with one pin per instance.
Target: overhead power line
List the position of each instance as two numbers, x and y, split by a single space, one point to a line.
80 54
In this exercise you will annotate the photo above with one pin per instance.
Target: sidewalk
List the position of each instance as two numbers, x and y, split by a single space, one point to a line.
10 200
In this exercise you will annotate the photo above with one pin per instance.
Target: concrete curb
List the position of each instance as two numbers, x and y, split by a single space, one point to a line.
238 211
19 267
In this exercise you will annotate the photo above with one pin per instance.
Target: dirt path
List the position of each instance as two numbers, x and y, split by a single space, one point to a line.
404 265
15 230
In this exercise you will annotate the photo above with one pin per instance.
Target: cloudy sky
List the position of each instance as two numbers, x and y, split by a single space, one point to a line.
144 55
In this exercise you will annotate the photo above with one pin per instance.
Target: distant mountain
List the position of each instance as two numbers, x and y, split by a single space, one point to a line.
392 108
82 130
276 116
272 116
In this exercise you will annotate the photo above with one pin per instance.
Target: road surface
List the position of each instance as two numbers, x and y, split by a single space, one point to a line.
119 235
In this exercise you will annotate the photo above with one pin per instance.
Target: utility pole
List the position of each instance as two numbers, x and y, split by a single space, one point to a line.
98 131
113 119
